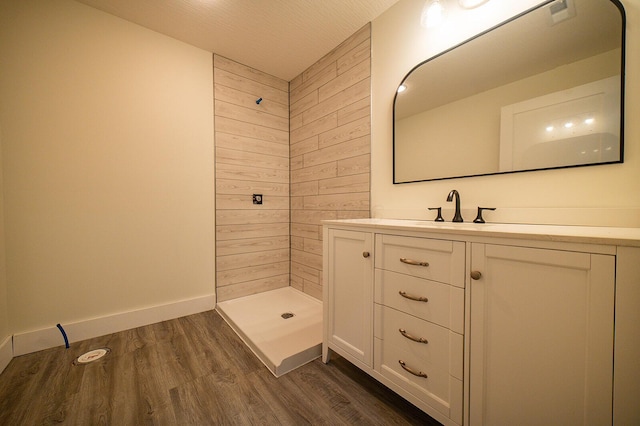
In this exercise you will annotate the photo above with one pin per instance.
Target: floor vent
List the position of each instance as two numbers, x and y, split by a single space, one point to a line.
91 356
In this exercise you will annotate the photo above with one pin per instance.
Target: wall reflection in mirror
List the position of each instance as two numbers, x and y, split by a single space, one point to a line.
543 90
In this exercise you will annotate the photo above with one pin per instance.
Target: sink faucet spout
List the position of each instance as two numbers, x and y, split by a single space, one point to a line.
457 217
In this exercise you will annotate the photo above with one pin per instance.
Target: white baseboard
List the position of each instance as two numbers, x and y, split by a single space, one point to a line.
6 353
37 340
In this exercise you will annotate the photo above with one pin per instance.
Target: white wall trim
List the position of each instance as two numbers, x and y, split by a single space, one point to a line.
6 353
37 340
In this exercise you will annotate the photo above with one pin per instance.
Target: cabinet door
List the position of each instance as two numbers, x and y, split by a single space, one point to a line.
541 337
349 313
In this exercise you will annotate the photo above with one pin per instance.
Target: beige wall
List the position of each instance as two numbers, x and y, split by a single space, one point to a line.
602 195
107 139
330 151
4 306
252 157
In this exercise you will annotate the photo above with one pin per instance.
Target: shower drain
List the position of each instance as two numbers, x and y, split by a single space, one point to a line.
287 315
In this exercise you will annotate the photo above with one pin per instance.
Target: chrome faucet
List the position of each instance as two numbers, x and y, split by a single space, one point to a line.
457 217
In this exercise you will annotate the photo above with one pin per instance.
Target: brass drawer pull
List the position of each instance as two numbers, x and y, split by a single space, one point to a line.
413 262
412 297
419 373
410 337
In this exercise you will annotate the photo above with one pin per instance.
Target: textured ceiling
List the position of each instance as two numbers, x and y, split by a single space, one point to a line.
279 37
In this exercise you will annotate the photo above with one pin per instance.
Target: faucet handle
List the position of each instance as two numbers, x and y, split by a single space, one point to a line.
479 218
439 217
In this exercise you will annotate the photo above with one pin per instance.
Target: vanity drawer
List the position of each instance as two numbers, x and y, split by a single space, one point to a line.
436 260
443 350
432 301
440 359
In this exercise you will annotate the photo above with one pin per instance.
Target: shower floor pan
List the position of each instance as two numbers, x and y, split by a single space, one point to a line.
282 327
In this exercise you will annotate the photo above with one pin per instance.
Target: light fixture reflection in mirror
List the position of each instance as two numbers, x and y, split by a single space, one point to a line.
570 126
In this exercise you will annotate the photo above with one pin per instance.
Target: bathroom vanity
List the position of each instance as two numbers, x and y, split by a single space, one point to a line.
487 323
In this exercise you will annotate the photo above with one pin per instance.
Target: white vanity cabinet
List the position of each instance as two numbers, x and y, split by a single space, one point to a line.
541 336
489 324
348 310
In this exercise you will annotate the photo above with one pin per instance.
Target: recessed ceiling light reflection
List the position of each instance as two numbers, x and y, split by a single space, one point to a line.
568 125
549 128
589 120
402 88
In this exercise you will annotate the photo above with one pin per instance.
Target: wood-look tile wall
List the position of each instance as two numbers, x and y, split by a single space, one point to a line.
330 151
251 157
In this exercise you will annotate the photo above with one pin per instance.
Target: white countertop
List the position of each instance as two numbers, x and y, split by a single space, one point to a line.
561 233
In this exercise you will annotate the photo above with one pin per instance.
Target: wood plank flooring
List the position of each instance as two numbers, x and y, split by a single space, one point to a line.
189 371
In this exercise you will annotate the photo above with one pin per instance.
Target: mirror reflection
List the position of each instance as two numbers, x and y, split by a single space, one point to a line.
543 90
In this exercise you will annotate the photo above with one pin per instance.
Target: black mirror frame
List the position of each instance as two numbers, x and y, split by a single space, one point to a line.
623 18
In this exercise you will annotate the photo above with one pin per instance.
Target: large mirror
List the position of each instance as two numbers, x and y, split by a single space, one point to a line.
542 90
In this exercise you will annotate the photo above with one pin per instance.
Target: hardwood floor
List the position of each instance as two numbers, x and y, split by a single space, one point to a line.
189 371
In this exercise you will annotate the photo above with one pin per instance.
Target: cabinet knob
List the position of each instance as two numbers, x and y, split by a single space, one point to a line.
365 254
476 275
